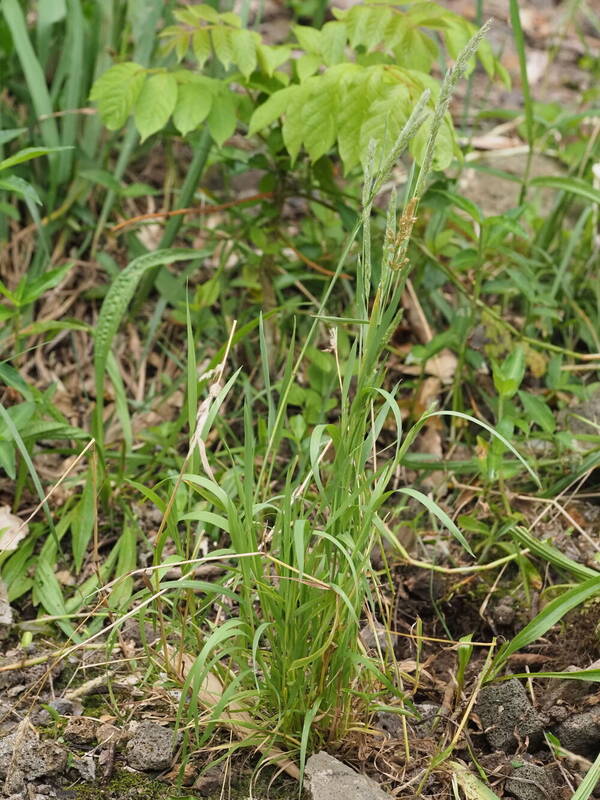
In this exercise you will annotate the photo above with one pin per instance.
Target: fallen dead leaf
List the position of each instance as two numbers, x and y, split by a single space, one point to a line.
12 529
6 615
237 720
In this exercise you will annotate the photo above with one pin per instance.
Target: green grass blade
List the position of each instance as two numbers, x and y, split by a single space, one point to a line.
552 613
591 675
491 430
438 512
589 783
113 309
27 459
74 92
576 186
472 787
552 555
34 75
519 37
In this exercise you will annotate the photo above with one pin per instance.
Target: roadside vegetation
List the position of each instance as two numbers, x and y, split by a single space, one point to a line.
275 386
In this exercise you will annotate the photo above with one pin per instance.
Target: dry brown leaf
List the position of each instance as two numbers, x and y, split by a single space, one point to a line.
238 720
430 442
6 616
427 394
494 142
443 366
12 529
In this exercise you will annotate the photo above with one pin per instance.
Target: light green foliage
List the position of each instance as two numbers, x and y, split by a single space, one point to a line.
338 96
155 103
117 92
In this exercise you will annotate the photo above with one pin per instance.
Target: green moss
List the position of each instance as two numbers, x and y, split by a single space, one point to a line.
125 785
135 786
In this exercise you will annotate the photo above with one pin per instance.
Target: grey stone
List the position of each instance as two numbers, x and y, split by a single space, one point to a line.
506 713
86 767
428 712
211 781
329 779
23 758
529 782
503 612
376 638
580 733
81 730
107 733
150 749
390 724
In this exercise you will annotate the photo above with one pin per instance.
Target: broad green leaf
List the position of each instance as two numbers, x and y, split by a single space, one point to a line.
415 50
194 102
49 593
222 118
120 592
368 25
117 91
293 131
243 46
13 183
201 46
429 15
155 104
271 57
537 411
272 109
11 133
333 42
473 788
385 120
359 89
182 44
589 783
35 287
8 459
82 524
231 18
205 13
307 65
222 44
309 38
552 555
509 375
318 119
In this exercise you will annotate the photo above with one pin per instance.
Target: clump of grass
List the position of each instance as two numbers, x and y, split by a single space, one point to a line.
282 663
